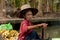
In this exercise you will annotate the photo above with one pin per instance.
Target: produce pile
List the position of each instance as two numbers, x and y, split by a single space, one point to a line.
9 34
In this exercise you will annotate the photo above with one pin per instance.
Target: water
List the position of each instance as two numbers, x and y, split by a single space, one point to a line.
53 29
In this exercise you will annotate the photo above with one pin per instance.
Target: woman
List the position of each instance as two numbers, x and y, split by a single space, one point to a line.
26 28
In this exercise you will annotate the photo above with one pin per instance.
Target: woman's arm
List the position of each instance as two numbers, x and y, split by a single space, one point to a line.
44 25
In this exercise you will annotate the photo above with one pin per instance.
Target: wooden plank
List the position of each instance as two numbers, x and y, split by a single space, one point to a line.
18 20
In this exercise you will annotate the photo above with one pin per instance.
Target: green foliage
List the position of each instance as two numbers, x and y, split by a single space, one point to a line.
12 2
17 3
55 7
34 3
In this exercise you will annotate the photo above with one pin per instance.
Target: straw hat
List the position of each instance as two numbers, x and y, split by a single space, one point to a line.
25 8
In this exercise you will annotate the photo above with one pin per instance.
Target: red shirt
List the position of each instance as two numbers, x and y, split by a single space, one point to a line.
24 29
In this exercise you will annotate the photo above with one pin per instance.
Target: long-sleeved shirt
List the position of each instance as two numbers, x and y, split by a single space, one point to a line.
24 29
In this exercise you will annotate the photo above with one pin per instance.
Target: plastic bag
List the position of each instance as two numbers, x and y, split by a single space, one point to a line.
6 26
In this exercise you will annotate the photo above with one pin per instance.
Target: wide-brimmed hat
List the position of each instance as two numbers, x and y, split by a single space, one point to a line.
25 8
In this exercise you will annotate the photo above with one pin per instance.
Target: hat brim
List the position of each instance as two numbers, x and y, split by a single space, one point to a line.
33 10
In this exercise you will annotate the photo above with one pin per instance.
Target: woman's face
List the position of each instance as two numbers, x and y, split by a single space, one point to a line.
28 15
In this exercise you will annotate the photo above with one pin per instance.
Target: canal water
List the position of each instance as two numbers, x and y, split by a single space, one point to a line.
53 29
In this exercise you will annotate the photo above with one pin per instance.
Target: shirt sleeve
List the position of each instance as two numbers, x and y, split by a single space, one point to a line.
24 27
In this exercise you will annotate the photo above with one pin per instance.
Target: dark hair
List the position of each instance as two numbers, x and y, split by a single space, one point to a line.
24 12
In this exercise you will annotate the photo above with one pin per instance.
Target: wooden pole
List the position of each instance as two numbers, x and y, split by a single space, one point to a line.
39 8
42 33
14 4
3 14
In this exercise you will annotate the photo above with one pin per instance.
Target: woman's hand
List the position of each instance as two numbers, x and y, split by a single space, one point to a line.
44 25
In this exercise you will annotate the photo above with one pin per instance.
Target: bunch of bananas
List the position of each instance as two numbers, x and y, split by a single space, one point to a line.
13 33
9 35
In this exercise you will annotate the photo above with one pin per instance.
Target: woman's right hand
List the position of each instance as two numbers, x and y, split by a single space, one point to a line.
42 25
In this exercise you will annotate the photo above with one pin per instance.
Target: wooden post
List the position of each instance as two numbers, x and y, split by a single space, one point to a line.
14 3
42 33
1 10
2 13
48 9
39 8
